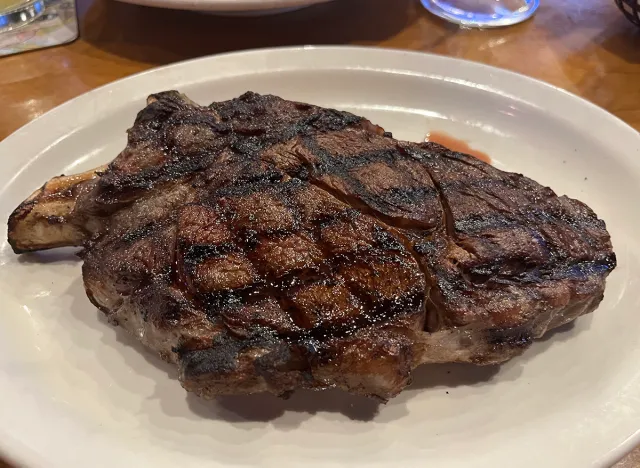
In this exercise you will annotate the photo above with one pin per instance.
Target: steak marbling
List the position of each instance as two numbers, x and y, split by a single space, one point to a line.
268 245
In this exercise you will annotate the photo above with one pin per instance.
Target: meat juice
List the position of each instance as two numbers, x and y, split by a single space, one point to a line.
456 144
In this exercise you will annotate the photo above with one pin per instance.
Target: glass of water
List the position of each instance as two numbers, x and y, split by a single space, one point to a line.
17 13
483 13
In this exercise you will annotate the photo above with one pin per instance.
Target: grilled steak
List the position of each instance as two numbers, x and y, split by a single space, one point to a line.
268 245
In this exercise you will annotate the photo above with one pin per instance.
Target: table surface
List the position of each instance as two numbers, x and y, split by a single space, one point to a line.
584 46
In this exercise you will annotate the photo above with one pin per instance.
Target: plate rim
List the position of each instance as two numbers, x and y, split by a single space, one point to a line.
16 449
251 7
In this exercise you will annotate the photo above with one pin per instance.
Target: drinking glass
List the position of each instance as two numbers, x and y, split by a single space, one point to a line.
482 13
17 13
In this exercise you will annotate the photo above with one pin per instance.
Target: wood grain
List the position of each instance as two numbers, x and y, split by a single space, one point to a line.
584 46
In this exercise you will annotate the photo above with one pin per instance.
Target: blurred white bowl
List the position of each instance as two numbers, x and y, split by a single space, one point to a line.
231 7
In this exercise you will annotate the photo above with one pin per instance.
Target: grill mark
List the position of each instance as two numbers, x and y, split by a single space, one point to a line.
432 315
175 274
321 272
140 233
375 205
532 212
248 182
364 208
162 112
195 254
580 270
252 294
518 337
331 163
114 187
247 240
478 223
386 241
325 220
489 180
462 158
222 357
248 115
380 312
295 280
407 196
272 184
391 226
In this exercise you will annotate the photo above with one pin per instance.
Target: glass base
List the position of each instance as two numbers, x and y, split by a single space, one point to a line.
15 15
483 13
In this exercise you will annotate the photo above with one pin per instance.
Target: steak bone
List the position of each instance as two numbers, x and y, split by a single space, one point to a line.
46 219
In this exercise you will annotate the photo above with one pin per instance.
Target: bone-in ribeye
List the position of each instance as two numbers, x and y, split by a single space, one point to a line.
268 245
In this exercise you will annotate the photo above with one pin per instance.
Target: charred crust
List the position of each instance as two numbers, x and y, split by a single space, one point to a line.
139 233
196 254
519 271
378 312
518 337
222 357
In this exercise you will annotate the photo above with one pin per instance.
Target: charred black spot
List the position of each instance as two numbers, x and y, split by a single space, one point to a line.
303 107
519 337
139 233
425 248
537 215
249 146
332 120
520 271
222 357
195 254
385 240
252 181
173 311
324 220
379 313
56 220
223 300
583 270
281 358
409 196
220 360
249 239
155 114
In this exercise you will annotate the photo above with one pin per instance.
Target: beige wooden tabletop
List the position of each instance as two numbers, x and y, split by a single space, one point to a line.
584 46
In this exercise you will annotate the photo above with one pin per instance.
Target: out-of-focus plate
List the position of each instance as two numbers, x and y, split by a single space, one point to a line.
77 392
231 7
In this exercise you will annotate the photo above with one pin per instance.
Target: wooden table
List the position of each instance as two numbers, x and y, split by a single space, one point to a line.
584 46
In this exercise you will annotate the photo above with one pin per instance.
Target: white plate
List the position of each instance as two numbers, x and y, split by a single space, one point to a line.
234 7
77 392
